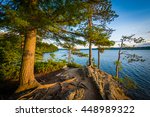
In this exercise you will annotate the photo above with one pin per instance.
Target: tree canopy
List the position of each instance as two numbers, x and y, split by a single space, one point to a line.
32 18
39 17
100 13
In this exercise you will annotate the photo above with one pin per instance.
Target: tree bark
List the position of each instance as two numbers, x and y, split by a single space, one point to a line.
27 79
90 43
117 71
90 54
22 42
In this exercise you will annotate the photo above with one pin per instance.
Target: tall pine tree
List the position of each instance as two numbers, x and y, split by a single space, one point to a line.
38 17
101 12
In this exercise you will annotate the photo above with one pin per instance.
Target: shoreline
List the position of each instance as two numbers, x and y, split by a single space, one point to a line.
113 48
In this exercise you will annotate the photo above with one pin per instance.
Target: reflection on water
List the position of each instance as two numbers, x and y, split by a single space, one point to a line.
138 71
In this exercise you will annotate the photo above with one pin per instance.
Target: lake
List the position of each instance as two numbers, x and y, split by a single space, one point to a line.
138 71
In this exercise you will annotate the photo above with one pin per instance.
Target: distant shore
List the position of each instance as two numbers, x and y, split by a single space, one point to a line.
117 48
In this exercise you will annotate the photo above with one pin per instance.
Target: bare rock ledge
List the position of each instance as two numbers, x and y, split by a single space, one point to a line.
86 83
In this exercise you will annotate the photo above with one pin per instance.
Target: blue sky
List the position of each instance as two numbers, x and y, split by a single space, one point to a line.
134 18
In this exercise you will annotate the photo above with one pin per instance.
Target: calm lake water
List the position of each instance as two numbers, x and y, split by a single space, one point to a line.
138 71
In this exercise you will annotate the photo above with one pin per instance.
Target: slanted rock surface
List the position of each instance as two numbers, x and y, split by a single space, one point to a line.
86 83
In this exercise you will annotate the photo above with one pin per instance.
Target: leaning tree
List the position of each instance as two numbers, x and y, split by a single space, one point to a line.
128 56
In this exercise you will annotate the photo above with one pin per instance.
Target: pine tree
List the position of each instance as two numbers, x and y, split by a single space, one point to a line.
38 17
101 12
128 56
70 45
102 41
101 48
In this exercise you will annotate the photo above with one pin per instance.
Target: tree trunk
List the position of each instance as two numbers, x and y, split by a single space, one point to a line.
98 59
118 61
117 64
90 43
69 56
117 71
90 54
27 79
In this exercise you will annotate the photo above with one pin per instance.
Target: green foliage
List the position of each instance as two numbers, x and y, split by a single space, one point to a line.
93 61
42 47
44 15
80 54
102 12
49 66
129 57
52 55
118 63
10 56
98 35
101 49
127 82
45 47
11 52
74 65
70 46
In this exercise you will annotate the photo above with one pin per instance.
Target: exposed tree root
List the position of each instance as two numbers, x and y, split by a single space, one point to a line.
31 85
56 85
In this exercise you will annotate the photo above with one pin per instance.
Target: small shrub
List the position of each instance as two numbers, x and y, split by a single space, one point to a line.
73 64
49 66
127 82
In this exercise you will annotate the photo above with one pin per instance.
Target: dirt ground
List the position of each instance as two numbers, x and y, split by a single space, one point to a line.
8 88
91 92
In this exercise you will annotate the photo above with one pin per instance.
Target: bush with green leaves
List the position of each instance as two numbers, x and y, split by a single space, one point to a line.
73 64
49 66
127 82
10 56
